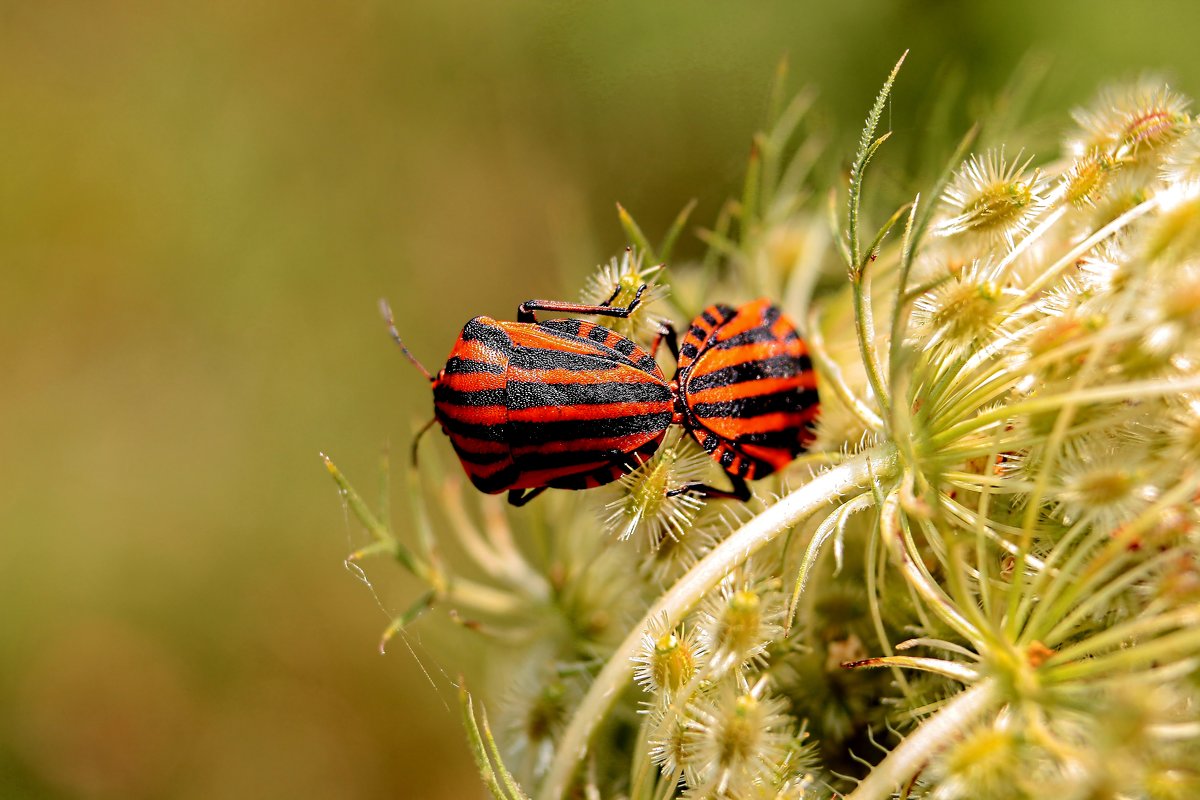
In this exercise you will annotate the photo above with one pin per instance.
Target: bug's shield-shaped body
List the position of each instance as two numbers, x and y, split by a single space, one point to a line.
748 388
562 403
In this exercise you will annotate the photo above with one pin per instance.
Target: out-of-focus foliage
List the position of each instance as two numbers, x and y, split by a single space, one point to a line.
200 204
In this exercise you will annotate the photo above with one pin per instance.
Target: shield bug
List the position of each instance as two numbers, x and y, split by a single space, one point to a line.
563 403
745 390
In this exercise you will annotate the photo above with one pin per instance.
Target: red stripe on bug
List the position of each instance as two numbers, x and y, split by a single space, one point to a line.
755 388
599 411
714 359
732 427
476 415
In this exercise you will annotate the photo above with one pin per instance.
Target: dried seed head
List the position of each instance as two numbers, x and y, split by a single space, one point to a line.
742 741
1175 230
1103 482
1182 163
672 740
1104 270
547 712
644 505
991 199
1126 189
985 763
535 711
1179 300
1136 121
740 620
1088 178
1152 353
1055 341
626 274
961 311
1179 583
598 590
672 554
667 660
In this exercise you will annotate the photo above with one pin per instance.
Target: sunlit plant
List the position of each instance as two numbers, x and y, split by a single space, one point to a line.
984 580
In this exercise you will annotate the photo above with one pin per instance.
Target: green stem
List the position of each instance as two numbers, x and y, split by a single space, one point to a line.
937 666
899 308
893 529
1176 646
879 463
864 324
476 598
1054 402
876 564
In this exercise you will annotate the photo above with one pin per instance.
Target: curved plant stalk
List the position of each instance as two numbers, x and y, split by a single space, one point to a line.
935 733
878 464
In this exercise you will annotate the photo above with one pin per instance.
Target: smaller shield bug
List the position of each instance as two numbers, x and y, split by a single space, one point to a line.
746 391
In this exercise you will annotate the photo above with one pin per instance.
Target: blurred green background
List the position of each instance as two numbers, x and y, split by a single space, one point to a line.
200 204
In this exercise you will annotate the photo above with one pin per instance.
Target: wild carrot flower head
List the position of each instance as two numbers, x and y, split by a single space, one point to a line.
644 504
982 583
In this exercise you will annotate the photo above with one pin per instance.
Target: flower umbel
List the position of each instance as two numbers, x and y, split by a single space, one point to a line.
1009 369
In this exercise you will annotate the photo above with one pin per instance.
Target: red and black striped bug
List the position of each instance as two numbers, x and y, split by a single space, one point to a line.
564 403
746 390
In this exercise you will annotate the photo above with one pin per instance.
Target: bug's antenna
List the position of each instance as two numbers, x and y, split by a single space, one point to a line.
417 439
386 311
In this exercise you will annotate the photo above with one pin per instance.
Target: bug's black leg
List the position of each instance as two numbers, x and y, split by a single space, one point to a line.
417 438
666 333
519 497
525 311
741 491
616 291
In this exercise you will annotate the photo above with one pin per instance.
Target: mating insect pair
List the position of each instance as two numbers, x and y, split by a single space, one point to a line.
569 404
